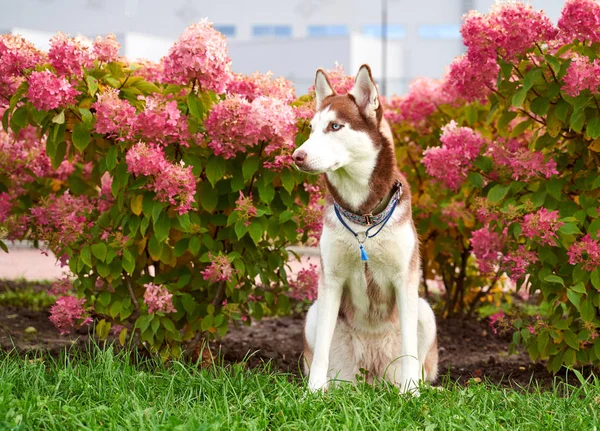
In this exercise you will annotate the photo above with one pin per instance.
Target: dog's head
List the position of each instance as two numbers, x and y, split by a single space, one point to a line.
345 129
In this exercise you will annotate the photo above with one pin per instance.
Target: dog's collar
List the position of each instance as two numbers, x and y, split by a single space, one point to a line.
370 219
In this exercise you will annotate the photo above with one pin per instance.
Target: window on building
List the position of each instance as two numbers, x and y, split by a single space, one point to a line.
327 30
280 31
439 31
227 30
394 31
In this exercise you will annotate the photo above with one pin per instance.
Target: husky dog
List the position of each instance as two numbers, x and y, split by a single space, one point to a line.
368 316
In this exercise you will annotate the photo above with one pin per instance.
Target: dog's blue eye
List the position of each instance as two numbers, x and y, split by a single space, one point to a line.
336 126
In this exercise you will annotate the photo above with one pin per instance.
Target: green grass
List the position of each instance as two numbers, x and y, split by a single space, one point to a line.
105 390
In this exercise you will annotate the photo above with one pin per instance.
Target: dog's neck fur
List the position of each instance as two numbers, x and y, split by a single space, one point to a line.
365 186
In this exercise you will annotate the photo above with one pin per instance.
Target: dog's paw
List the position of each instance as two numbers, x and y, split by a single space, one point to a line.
410 387
318 384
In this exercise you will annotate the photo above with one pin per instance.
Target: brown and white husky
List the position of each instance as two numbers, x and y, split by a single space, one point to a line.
368 315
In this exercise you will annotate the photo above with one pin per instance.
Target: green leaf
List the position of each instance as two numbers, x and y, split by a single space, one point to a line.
569 229
86 255
240 229
208 196
86 116
92 84
498 192
256 231
553 123
554 279
287 179
534 76
519 97
81 136
250 167
194 245
571 340
215 169
99 250
471 114
3 246
194 105
520 128
574 297
18 119
162 227
595 278
587 310
111 158
155 248
562 109
475 179
593 128
128 262
540 105
59 118
578 287
577 120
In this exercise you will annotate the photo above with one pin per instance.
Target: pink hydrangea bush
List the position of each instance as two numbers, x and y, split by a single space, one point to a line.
165 188
522 159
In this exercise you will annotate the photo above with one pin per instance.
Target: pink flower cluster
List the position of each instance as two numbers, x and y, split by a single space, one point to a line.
517 261
61 220
17 55
522 163
236 124
450 162
587 252
68 313
69 56
487 248
245 208
162 122
306 284
48 91
543 225
172 183
114 116
310 217
510 30
200 54
423 97
455 211
259 84
61 287
471 80
5 206
580 19
106 49
495 319
220 269
158 299
582 74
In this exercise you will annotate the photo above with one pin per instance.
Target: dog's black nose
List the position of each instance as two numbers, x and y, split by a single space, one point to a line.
299 156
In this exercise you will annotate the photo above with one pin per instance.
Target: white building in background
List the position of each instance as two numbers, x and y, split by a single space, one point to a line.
292 38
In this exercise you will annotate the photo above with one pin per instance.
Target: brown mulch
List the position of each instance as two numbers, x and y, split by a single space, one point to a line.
468 348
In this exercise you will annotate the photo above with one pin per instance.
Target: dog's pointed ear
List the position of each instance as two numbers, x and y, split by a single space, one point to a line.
322 88
365 91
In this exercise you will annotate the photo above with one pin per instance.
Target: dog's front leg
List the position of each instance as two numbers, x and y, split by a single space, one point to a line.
328 306
407 300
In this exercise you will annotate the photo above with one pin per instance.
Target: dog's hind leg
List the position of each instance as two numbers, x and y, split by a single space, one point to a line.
427 335
310 336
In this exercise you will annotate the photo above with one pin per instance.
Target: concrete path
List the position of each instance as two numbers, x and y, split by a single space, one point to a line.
23 261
